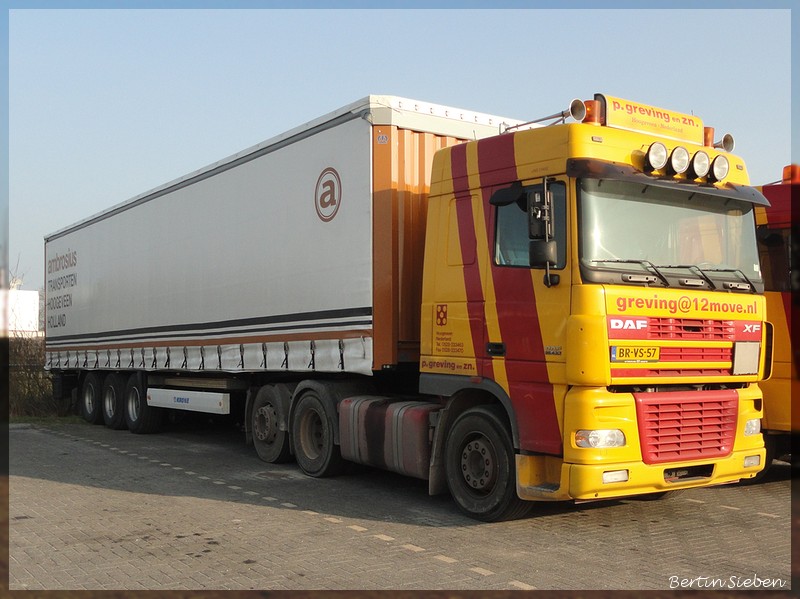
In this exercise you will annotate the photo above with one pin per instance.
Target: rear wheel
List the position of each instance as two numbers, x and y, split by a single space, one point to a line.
114 401
91 393
481 468
270 435
312 437
140 417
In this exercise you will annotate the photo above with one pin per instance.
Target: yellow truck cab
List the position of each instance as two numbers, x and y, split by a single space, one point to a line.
600 282
774 233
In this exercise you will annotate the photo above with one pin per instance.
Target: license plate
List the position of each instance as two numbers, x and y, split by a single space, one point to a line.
624 353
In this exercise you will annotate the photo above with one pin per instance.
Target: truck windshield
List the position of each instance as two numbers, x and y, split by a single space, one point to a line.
631 227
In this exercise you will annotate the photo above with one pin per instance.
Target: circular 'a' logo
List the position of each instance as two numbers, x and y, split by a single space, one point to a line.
328 195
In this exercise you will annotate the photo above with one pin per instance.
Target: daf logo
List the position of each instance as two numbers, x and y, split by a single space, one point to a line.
628 324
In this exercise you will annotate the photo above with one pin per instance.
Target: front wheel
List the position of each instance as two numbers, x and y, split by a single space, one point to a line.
312 438
481 468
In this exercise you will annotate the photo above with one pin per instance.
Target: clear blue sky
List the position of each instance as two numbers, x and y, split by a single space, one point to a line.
106 104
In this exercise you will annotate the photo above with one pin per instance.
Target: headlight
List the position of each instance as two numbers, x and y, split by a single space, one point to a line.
752 427
699 165
600 439
679 160
719 168
656 156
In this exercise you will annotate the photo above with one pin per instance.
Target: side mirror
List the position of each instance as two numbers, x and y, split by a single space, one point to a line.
538 216
543 253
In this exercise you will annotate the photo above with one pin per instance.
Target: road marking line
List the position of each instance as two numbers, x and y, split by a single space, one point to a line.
269 498
204 478
357 528
219 482
413 548
287 504
165 464
311 512
250 493
482 571
177 468
767 515
444 558
384 537
695 500
234 487
521 585
730 507
334 520
189 472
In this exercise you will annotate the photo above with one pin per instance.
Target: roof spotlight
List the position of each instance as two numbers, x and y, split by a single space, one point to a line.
719 168
679 160
699 165
656 156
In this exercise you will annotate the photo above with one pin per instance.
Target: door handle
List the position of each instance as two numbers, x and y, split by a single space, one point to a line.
496 349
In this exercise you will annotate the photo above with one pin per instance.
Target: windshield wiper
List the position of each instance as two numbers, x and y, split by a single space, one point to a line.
731 285
646 264
694 268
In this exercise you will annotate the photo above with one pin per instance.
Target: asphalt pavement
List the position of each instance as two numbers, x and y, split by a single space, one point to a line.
193 508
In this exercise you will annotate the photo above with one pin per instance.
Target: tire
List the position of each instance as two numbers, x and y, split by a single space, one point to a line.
139 417
91 398
268 425
114 401
481 468
312 437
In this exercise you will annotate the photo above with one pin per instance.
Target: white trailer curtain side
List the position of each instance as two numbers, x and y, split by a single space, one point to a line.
263 261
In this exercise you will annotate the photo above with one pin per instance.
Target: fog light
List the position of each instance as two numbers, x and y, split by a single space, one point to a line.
752 460
752 427
699 165
599 439
616 476
657 156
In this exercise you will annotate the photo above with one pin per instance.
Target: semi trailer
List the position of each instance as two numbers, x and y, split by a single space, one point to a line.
568 308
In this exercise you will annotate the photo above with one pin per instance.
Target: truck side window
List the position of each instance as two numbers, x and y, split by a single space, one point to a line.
511 228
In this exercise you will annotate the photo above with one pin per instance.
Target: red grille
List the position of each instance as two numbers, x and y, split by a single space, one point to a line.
691 328
686 425
696 354
637 373
683 354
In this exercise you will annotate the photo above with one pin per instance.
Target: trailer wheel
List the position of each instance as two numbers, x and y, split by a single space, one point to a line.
139 417
312 437
91 394
114 401
480 467
268 424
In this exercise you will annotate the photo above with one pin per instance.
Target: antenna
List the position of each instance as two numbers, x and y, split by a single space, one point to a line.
576 110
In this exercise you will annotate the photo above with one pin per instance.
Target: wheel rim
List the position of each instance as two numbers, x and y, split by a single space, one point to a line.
479 465
89 399
311 434
110 401
265 424
133 404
